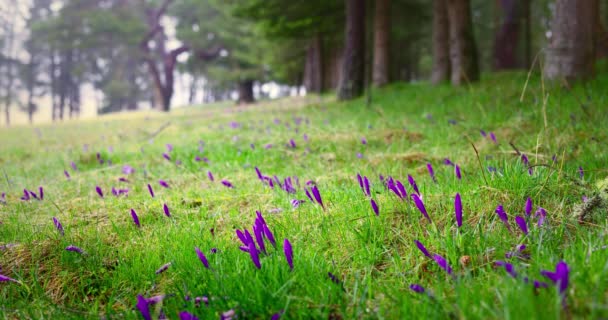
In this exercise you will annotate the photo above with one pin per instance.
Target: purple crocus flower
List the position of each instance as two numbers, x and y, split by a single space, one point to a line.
521 222
210 175
166 210
99 191
422 248
508 267
528 206
560 277
412 182
333 278
259 173
74 248
73 165
493 137
417 288
26 195
448 162
363 140
287 249
296 203
135 218
292 143
227 184
167 157
253 251
375 207
541 214
309 196
360 180
33 194
228 315
401 189
58 225
429 166
581 172
457 172
127 169
420 206
442 263
502 215
366 186
4 278
163 183
150 190
268 234
142 305
483 133
185 315
317 195
201 256
163 268
458 210
3 197
524 159
41 192
258 233
67 174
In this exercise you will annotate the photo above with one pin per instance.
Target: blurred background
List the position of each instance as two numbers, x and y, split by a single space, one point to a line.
62 59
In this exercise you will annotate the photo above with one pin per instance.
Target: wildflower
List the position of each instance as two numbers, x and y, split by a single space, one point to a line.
67 174
420 206
429 166
201 256
458 210
448 162
493 137
363 140
417 288
483 133
560 277
163 183
528 206
3 197
521 222
401 189
127 169
26 195
412 182
185 315
167 157
296 203
58 225
581 172
166 210
317 195
422 248
135 218
163 268
508 267
442 263
74 249
292 143
259 237
268 234
259 173
99 191
502 215
142 305
228 315
210 175
333 278
150 190
366 186
73 166
287 249
375 207
4 278
227 184
541 214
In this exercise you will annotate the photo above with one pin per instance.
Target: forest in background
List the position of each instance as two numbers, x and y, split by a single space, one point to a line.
55 53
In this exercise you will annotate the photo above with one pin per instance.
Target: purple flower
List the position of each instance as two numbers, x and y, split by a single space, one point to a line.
457 172
185 315
429 166
41 192
73 166
420 206
74 249
366 186
258 233
296 203
292 143
142 305
167 157
99 191
422 248
442 263
67 174
502 215
210 175
4 278
412 182
268 234
155 299
253 251
524 159
458 210
150 190
560 277
163 268
401 189
308 195
448 162
287 249
493 137
166 210
135 218
26 195
417 288
541 214
259 173
333 278
581 172
317 195
521 222
122 179
163 183
528 206
228 315
58 225
483 133
508 267
363 140
127 169
3 197
227 184
201 256
375 207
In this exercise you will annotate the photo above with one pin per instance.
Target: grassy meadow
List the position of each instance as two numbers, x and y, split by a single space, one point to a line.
348 261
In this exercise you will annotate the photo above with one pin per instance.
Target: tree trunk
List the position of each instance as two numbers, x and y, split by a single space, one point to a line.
506 39
463 51
353 66
332 68
526 16
441 43
571 50
313 70
246 92
382 32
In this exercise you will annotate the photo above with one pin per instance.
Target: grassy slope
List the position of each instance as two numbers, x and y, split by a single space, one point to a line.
374 257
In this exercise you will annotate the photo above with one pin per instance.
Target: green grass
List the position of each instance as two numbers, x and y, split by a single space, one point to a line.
374 257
